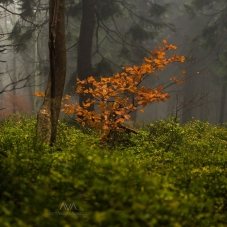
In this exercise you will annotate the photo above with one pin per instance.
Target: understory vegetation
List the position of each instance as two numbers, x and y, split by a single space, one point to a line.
166 175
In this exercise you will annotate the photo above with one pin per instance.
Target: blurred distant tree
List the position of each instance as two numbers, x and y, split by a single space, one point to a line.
213 39
10 79
213 36
84 58
118 24
19 32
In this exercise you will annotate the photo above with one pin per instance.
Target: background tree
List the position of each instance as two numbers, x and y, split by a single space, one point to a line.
12 77
212 39
28 34
84 58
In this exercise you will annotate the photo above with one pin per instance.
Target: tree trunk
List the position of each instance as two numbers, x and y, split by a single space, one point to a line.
47 118
84 64
223 100
188 103
14 107
142 5
36 105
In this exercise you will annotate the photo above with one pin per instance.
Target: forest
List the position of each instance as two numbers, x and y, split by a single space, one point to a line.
113 113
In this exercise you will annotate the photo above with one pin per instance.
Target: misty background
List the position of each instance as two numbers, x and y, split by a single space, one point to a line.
125 32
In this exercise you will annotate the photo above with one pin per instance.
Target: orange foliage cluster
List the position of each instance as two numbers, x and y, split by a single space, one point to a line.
122 93
40 94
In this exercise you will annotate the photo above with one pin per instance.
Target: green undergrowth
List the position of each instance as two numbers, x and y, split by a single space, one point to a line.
167 175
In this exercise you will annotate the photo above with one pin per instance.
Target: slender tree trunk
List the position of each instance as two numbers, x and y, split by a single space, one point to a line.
142 5
36 105
189 93
14 107
14 65
223 100
47 118
84 64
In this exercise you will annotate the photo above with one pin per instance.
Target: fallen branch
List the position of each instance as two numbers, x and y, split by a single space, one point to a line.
128 129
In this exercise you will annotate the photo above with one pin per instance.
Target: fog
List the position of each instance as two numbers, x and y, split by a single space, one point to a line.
125 32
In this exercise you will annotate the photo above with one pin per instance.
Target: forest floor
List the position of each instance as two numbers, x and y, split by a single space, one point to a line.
166 175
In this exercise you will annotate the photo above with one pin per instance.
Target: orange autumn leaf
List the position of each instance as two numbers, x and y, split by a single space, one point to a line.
164 42
40 94
91 79
66 97
141 110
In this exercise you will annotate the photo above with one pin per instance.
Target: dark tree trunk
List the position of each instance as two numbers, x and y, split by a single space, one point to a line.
188 103
47 118
14 110
223 100
84 64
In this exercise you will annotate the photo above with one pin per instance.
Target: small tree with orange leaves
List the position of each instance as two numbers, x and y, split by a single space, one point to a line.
110 92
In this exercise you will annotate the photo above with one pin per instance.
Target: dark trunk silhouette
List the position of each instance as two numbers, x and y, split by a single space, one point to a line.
223 100
84 64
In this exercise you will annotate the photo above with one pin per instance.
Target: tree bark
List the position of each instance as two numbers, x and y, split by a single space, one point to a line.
47 118
223 100
84 63
189 93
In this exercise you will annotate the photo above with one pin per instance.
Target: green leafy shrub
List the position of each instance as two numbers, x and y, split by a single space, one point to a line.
203 136
166 134
138 186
